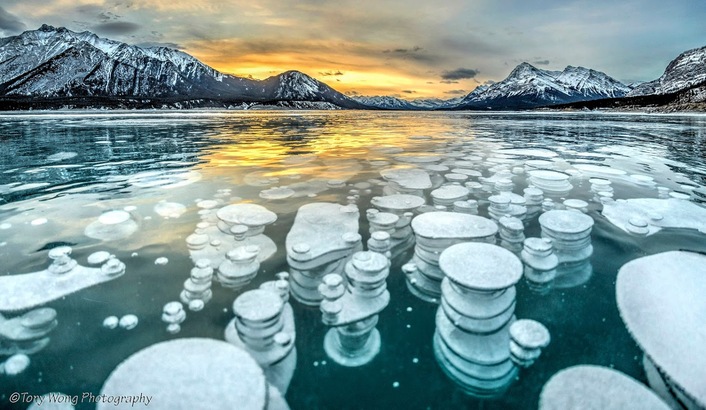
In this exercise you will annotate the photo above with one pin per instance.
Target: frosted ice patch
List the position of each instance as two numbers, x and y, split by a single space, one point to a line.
39 221
226 372
596 388
656 213
599 170
661 300
410 178
5 225
60 156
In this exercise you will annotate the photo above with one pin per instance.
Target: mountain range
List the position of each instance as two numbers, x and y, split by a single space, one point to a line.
56 67
528 87
56 63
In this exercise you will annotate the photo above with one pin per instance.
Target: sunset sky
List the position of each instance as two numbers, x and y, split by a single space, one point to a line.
405 48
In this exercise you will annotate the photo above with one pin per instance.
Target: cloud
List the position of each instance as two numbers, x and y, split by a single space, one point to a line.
541 62
352 92
116 28
153 44
9 23
459 74
409 91
330 73
448 82
456 92
403 50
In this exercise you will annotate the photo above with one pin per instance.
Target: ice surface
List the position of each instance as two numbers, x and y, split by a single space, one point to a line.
661 300
61 156
657 213
599 170
596 388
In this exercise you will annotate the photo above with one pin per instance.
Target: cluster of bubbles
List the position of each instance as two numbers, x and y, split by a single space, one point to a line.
462 214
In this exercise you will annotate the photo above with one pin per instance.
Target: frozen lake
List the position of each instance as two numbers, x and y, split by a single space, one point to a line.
136 184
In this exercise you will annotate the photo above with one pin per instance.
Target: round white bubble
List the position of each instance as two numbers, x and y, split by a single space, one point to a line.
111 322
16 364
128 322
39 221
96 258
113 217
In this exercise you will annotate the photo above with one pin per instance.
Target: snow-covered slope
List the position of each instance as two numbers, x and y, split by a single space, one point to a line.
436 103
528 87
59 63
385 102
685 71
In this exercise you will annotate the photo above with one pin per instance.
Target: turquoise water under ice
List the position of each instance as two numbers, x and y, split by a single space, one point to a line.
70 167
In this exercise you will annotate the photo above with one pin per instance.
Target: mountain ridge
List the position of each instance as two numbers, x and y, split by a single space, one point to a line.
530 87
59 63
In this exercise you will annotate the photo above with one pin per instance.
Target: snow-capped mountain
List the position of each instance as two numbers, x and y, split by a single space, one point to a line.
436 103
59 63
685 71
297 86
386 102
528 86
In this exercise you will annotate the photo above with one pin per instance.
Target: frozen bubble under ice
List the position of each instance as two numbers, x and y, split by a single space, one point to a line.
16 364
111 322
277 193
596 387
161 261
661 300
128 322
39 221
97 258
169 209
113 217
207 204
196 305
